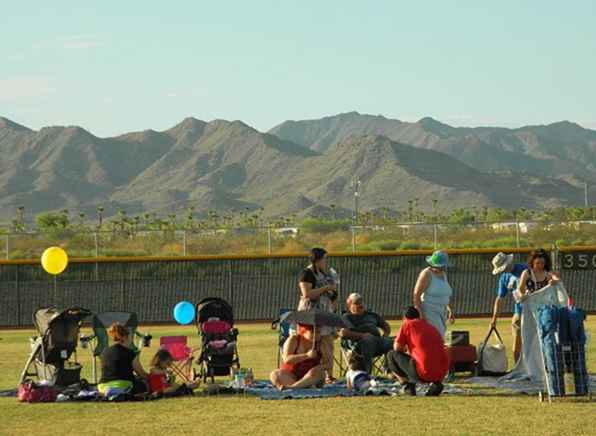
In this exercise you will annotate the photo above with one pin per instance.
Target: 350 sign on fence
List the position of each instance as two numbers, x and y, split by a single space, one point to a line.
578 260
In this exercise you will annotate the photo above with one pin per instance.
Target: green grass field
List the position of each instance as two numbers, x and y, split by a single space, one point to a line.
479 411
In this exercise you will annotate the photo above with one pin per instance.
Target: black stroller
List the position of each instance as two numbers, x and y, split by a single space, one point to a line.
219 353
51 351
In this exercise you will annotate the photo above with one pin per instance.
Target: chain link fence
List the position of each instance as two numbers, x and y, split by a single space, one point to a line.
291 240
259 286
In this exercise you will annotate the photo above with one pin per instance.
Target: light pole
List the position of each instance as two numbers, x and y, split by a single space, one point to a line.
356 187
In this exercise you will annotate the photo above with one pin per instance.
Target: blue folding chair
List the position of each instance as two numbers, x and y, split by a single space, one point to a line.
283 327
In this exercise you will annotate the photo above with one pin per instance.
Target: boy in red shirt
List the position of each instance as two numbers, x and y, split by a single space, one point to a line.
427 360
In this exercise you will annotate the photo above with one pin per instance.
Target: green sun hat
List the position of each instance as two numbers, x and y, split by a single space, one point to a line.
439 259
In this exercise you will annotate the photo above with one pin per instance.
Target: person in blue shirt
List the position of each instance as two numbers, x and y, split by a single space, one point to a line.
508 280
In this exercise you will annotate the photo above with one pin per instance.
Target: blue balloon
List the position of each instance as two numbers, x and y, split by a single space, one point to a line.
184 312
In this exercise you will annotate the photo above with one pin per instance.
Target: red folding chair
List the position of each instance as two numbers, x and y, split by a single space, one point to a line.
182 355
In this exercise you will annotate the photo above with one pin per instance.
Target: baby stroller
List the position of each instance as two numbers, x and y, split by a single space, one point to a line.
219 353
51 351
99 340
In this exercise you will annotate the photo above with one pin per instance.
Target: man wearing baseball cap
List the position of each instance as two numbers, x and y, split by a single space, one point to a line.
509 274
363 330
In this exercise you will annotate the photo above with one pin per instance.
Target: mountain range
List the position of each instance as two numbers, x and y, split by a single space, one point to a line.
299 167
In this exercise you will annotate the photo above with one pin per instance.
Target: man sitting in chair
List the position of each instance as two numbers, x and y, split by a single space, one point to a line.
363 331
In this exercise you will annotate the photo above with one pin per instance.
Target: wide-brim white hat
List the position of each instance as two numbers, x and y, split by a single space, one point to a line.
500 262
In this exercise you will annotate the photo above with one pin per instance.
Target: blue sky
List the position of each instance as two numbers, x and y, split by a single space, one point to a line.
119 66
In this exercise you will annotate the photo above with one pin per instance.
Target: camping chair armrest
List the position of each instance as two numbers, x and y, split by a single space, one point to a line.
348 344
85 340
145 339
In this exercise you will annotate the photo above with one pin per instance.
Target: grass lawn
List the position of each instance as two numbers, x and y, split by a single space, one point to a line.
480 411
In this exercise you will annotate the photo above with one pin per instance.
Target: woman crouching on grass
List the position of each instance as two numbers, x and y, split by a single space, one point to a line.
301 361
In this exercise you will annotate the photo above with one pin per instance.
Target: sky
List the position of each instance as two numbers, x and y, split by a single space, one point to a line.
119 66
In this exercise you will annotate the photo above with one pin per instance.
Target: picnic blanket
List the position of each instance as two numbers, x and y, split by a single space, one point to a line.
520 386
8 393
266 391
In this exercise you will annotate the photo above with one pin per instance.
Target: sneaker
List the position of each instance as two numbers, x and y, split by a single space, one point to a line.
409 389
435 389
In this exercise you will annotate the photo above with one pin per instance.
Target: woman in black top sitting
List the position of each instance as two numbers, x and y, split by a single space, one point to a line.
119 364
538 274
318 290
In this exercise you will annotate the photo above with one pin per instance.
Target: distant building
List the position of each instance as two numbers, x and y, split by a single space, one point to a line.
524 227
292 232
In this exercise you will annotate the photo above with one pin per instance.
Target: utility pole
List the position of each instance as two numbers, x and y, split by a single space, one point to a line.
356 186
586 194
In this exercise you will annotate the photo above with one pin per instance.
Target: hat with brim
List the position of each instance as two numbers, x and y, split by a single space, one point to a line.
500 262
355 297
439 259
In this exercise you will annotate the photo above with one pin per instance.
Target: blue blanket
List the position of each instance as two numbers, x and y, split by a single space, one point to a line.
266 391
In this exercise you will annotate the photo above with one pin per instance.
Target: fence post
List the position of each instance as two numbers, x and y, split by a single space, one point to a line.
184 243
230 284
268 240
17 288
516 232
353 239
96 237
435 238
554 257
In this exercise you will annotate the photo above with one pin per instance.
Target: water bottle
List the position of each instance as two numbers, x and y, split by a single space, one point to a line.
240 379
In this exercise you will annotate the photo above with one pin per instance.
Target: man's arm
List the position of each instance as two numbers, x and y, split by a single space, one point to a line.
400 343
398 347
496 310
352 335
384 325
421 286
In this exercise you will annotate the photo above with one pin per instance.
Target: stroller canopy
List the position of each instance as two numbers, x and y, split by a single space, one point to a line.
48 318
214 307
59 330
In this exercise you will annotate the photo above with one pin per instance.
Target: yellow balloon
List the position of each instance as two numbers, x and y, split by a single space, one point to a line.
54 260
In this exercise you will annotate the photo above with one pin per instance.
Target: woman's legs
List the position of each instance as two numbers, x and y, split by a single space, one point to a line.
326 348
281 378
139 386
312 378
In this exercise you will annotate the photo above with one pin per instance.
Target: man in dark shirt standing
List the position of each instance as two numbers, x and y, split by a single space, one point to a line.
363 330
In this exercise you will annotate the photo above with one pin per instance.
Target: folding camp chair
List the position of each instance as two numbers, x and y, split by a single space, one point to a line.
379 364
283 327
99 339
182 355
